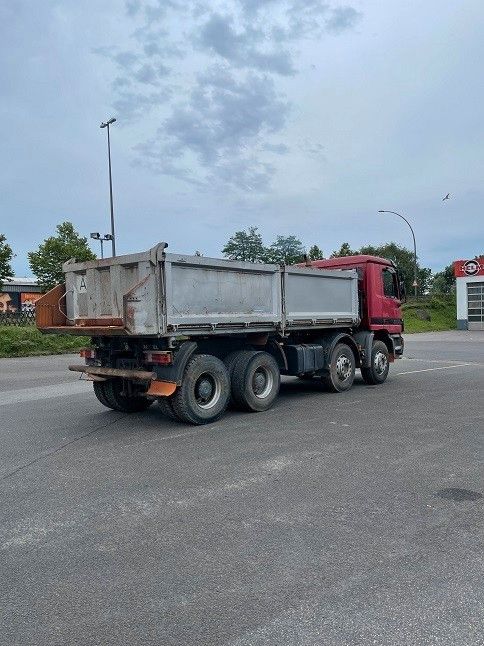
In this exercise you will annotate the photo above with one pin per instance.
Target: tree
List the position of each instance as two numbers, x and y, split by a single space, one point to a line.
6 255
285 249
315 253
46 262
443 282
344 250
403 259
245 245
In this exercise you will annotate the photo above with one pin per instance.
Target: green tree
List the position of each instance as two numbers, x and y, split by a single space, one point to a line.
46 262
285 249
443 282
403 258
344 250
245 245
6 255
315 253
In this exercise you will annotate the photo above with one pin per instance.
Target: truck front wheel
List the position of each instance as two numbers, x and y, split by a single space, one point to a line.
205 390
341 373
377 372
255 381
111 394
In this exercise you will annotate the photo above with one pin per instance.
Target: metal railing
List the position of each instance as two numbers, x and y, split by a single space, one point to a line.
17 318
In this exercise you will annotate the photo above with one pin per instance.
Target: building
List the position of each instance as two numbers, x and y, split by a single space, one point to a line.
469 285
19 295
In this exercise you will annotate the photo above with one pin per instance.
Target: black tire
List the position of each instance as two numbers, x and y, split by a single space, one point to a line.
112 392
341 374
255 381
380 365
230 360
205 390
100 392
166 406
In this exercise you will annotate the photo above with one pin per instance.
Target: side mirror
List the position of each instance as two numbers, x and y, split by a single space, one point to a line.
401 287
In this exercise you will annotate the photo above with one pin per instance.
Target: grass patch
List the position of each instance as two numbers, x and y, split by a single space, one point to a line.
441 310
27 341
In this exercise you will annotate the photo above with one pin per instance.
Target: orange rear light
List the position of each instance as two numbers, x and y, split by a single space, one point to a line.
87 353
161 357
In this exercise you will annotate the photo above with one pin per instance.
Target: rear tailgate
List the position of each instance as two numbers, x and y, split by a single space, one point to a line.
120 295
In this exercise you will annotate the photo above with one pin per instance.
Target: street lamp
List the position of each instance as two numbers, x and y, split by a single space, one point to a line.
98 236
113 240
415 283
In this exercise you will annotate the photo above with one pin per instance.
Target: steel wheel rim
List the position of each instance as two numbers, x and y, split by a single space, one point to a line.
262 382
207 391
380 363
343 367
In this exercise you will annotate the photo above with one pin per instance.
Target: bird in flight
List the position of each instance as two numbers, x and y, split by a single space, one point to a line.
447 197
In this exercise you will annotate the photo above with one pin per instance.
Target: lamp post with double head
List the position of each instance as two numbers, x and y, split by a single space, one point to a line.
104 238
106 124
415 282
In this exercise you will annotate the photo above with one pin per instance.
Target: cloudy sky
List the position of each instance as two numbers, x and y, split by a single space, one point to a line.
297 116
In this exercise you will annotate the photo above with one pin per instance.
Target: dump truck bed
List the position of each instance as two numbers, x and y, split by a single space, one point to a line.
162 294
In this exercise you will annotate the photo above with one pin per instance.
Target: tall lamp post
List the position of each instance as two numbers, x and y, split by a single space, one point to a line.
106 124
105 237
415 283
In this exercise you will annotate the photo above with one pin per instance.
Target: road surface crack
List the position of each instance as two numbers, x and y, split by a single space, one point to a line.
55 450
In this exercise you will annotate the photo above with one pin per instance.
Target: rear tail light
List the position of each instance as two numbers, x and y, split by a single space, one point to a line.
161 357
87 353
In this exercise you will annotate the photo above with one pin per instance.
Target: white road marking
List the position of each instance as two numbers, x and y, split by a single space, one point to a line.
43 392
474 363
412 372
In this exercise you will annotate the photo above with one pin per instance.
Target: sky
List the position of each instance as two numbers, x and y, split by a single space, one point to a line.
299 117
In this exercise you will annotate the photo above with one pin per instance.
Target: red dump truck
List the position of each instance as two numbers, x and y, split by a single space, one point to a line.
195 334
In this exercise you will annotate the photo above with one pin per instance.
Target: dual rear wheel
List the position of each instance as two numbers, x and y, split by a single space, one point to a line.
112 394
249 380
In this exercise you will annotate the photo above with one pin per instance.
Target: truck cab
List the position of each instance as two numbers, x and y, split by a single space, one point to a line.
381 293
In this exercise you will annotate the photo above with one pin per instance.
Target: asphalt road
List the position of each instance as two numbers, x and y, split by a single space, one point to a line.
349 519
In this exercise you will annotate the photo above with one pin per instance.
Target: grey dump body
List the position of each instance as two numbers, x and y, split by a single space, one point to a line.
162 294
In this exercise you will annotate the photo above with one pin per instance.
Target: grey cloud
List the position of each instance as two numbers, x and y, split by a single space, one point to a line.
132 105
219 124
133 7
150 74
125 59
278 149
217 127
342 18
243 48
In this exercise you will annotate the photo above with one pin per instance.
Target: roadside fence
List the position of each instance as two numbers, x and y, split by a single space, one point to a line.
17 318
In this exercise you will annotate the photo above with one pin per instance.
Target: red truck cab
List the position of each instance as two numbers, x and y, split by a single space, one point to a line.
381 293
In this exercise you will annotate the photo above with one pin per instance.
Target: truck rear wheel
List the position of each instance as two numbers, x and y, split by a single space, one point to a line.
255 381
205 390
99 391
110 394
166 406
377 372
341 374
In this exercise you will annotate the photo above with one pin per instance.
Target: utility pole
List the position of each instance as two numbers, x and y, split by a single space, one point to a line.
415 282
106 124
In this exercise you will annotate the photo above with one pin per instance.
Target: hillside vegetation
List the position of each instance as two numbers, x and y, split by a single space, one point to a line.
27 341
430 314
427 315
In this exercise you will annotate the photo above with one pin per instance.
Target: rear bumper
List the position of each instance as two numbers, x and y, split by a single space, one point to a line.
108 373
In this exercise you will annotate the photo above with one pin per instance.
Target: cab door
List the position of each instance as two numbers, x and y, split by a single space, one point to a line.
391 300
385 314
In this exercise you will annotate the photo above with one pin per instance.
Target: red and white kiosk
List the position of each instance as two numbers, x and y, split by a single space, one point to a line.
469 285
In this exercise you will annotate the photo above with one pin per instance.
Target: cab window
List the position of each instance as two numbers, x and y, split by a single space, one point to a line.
390 283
